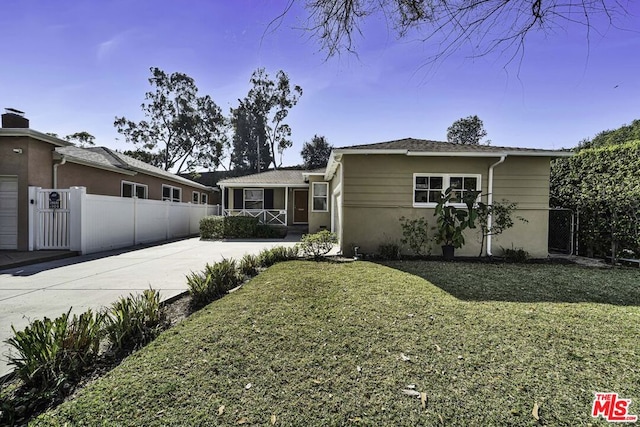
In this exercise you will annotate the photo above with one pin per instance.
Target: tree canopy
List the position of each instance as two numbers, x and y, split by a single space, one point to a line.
316 152
466 131
485 25
250 148
182 130
81 139
270 101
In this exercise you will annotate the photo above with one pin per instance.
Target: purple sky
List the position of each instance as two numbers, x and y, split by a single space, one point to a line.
75 65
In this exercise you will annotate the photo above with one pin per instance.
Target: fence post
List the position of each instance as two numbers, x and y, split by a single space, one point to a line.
135 220
33 206
77 201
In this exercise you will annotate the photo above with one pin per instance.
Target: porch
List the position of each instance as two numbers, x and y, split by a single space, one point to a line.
274 205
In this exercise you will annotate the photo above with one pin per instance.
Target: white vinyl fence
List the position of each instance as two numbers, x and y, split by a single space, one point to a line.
99 223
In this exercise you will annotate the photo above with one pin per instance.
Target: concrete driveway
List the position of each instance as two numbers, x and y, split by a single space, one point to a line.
95 281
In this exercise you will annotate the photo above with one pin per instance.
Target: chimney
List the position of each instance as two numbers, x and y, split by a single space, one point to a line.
13 118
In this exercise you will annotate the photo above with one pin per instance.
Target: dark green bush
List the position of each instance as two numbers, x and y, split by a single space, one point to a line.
518 255
249 265
51 352
389 251
238 227
215 281
134 321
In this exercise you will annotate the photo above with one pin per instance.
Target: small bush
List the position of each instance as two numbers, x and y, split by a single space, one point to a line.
415 235
270 232
249 265
318 244
389 251
51 352
515 255
266 258
215 281
134 321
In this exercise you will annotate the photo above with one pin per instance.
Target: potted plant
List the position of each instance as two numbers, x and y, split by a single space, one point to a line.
452 221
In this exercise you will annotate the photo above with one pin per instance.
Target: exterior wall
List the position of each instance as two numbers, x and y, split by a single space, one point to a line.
378 190
108 183
319 220
33 167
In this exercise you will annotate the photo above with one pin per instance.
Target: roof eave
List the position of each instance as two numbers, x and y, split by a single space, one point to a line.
35 135
76 160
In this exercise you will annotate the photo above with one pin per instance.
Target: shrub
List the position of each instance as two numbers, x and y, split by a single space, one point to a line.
135 320
318 244
50 352
249 265
266 258
415 235
264 231
389 251
216 280
515 255
220 227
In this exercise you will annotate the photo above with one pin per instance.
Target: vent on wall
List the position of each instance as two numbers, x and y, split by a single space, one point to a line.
13 118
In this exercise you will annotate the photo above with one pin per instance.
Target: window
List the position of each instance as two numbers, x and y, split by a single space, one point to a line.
253 198
132 189
428 187
196 197
320 192
170 193
203 198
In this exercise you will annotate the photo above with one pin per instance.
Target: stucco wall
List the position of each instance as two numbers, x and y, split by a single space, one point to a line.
318 220
378 190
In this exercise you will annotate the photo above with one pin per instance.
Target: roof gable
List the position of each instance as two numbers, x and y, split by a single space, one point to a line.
278 177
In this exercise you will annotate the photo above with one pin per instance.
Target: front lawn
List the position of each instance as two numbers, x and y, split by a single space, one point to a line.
336 344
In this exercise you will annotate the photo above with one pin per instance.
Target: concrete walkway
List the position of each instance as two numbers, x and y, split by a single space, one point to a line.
95 281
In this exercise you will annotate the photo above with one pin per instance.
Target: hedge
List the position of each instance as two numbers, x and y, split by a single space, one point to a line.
237 227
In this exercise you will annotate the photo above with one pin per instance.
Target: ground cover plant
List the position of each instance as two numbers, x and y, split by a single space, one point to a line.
308 343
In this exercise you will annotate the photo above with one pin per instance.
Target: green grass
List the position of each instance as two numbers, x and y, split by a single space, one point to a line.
322 344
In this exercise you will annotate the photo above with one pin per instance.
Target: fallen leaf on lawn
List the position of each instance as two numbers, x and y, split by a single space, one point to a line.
273 419
423 400
438 348
411 386
405 358
535 411
221 410
412 393
355 420
242 420
359 368
248 386
410 315
316 381
460 357
440 418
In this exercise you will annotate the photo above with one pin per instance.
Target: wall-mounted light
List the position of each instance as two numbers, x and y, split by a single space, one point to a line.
17 150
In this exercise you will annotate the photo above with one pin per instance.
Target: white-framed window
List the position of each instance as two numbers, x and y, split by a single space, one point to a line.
427 187
195 198
133 189
254 198
171 193
320 197
204 199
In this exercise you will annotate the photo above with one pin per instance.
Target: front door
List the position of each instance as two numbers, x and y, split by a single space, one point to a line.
300 206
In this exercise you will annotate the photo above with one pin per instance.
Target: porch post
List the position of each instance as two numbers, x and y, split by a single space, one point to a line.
222 201
286 205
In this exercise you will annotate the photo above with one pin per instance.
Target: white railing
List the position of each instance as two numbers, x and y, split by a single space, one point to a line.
270 216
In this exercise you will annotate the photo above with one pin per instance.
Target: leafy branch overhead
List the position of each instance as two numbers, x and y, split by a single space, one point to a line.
182 130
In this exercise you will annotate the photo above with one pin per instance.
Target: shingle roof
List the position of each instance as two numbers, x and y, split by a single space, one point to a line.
424 145
107 158
276 177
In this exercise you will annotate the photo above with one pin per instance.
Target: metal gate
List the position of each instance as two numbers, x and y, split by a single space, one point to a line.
52 219
561 231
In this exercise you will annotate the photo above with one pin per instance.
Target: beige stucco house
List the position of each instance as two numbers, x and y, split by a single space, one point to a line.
29 158
365 189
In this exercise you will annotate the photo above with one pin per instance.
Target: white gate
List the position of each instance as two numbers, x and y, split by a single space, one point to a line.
52 219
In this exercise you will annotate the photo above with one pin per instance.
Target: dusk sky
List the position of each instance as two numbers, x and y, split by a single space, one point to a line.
75 65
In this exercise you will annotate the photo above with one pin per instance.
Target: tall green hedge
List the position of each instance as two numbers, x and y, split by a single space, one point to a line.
603 185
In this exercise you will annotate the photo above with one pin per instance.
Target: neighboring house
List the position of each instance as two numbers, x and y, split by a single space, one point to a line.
29 158
365 189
